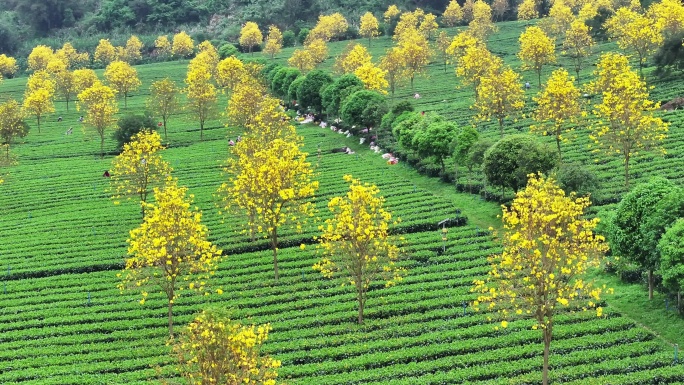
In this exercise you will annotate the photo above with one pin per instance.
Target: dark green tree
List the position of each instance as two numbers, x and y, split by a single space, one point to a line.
510 160
309 90
627 231
363 109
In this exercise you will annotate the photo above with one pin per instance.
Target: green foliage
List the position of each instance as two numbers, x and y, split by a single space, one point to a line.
510 160
289 39
130 125
404 127
476 154
666 212
294 89
436 140
402 107
626 231
671 249
336 92
270 70
670 56
309 90
149 14
282 79
577 178
596 24
228 50
362 109
465 140
302 35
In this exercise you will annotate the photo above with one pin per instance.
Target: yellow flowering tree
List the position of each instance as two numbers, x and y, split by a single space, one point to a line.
499 95
560 18
475 64
132 52
12 124
65 84
213 349
8 65
548 246
415 53
274 184
453 14
408 21
557 105
328 27
356 242
428 25
635 32
201 94
669 16
393 64
182 45
163 99
391 13
229 72
169 250
245 102
163 46
578 44
482 25
123 78
71 57
353 59
527 10
105 52
39 58
139 167
318 50
443 44
374 78
368 27
39 95
250 35
626 116
99 101
84 78
536 50
302 60
274 41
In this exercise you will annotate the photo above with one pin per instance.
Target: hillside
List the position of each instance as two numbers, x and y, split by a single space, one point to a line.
63 321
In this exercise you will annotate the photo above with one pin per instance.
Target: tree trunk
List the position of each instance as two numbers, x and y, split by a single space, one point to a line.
501 127
627 171
539 77
170 318
412 82
650 285
67 101
274 247
369 42
125 99
102 146
577 71
201 129
38 119
547 347
7 151
164 122
360 297
560 157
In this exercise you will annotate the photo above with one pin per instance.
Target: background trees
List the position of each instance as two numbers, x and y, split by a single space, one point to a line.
99 101
250 35
123 78
12 125
163 99
536 50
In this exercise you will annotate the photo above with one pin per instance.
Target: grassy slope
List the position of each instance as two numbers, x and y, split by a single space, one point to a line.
58 222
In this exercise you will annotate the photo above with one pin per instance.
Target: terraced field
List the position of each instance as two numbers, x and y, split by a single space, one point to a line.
62 242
